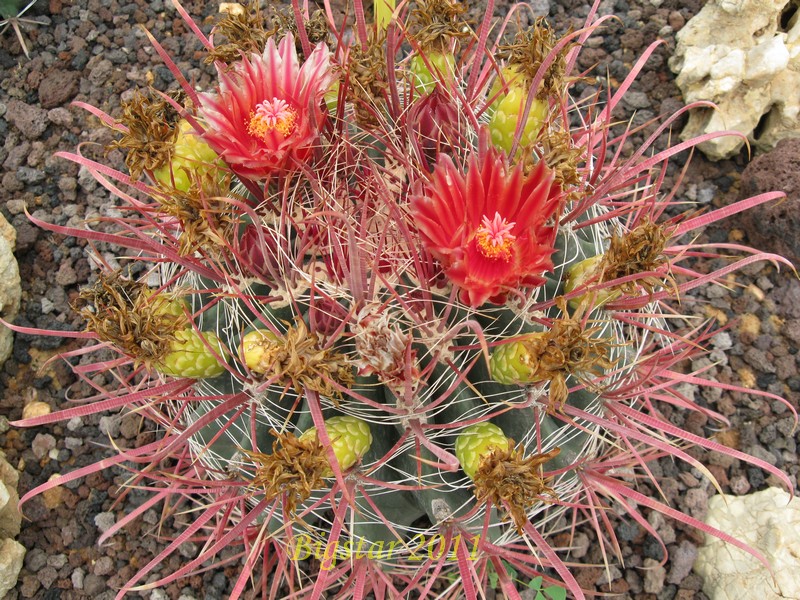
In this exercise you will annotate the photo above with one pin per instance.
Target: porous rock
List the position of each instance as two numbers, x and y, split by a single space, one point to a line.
744 56
768 523
773 226
10 291
30 120
58 87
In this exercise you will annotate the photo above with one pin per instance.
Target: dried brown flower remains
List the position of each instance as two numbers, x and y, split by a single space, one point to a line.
247 31
150 134
567 348
529 50
508 479
204 213
294 469
366 83
128 315
434 23
558 151
640 250
299 359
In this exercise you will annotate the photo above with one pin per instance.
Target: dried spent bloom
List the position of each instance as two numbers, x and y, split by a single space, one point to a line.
204 219
150 132
638 251
433 24
244 31
527 53
266 114
567 348
296 467
128 315
562 156
509 479
247 29
150 328
298 358
366 70
492 229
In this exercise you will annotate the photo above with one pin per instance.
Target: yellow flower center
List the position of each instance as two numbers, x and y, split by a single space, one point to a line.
272 115
494 238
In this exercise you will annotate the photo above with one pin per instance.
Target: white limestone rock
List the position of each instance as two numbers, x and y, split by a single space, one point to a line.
11 552
10 290
768 523
10 518
11 555
744 56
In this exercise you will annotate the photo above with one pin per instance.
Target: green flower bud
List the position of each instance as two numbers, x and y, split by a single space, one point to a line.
510 364
443 67
192 159
581 273
475 442
350 438
189 356
508 108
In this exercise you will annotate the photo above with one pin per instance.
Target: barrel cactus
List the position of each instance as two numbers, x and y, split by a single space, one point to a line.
397 303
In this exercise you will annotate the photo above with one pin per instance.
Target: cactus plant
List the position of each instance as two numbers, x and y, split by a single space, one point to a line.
415 339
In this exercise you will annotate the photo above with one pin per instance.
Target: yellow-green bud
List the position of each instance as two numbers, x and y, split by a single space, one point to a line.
331 97
510 364
508 108
579 274
442 69
192 160
350 438
190 357
475 442
256 346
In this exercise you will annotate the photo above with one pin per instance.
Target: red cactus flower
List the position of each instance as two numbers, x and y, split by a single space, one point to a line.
492 228
266 114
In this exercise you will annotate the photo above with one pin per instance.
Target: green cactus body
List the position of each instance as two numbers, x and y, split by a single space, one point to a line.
10 8
442 494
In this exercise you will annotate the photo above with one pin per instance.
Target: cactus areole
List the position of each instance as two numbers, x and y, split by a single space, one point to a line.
407 349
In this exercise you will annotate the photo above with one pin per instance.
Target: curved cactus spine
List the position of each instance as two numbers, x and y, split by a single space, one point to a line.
347 279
